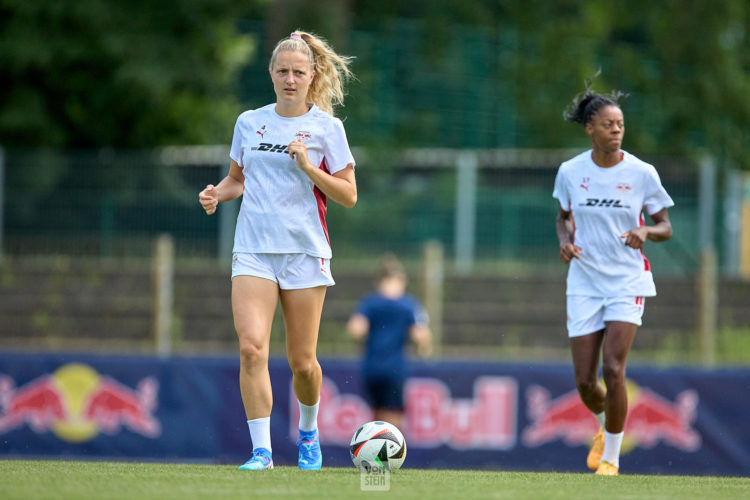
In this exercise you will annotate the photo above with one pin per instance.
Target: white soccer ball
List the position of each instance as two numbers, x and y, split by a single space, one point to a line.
378 445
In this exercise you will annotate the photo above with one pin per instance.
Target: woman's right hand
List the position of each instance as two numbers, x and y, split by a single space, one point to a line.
209 199
569 252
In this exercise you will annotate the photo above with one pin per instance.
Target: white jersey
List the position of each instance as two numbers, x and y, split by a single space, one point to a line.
606 203
282 210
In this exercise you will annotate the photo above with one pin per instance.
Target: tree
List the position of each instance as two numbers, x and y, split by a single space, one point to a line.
93 73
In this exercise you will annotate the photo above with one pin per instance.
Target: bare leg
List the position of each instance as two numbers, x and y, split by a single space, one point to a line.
254 302
617 344
302 310
391 416
585 350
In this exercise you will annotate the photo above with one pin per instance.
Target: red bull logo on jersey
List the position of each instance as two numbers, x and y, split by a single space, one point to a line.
76 404
651 420
303 136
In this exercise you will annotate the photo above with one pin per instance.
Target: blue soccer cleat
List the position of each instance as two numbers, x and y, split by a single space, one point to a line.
310 457
261 460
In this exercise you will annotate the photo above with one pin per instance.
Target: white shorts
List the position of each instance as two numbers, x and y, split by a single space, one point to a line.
589 314
292 271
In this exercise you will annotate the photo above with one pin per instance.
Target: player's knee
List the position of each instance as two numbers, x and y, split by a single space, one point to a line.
613 373
586 386
253 354
303 366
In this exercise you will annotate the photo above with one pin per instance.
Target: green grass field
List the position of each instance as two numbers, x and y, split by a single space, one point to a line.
23 479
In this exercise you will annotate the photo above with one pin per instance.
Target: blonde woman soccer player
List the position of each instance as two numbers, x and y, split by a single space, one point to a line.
287 158
601 229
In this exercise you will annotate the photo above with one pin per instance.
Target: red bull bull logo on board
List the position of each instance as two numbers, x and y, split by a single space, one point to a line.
651 419
76 403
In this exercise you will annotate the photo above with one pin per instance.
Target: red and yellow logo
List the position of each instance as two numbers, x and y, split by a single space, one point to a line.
76 403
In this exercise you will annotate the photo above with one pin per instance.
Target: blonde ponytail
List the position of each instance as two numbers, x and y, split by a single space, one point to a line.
331 69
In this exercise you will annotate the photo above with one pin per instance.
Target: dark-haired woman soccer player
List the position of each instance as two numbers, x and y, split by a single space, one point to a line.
287 158
601 229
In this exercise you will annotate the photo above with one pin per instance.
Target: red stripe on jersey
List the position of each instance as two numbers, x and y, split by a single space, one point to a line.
646 263
321 197
573 219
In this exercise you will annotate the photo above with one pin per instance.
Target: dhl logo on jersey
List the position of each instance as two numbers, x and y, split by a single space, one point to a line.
272 148
606 203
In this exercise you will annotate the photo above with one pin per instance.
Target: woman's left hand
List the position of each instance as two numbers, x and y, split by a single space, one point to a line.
635 238
298 151
339 187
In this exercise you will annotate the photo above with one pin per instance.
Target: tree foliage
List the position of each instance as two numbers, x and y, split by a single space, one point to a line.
485 73
685 64
92 73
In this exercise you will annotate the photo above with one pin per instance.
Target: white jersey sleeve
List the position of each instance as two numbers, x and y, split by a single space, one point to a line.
336 149
561 192
656 197
235 151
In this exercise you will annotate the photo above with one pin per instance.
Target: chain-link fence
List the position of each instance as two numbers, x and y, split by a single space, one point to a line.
79 230
487 207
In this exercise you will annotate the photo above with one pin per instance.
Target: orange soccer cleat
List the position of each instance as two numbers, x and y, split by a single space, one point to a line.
607 469
596 451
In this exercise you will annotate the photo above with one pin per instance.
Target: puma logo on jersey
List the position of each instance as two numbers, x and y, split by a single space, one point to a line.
261 132
272 148
596 202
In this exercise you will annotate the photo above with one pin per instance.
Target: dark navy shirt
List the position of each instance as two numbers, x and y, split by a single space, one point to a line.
390 323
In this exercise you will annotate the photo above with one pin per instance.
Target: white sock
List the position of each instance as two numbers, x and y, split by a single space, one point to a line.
308 417
260 432
601 417
612 443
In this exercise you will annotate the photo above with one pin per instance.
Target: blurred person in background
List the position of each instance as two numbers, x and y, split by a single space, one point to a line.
387 320
601 229
287 158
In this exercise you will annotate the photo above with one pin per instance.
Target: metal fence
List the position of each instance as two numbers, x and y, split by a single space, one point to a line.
488 208
489 212
108 204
